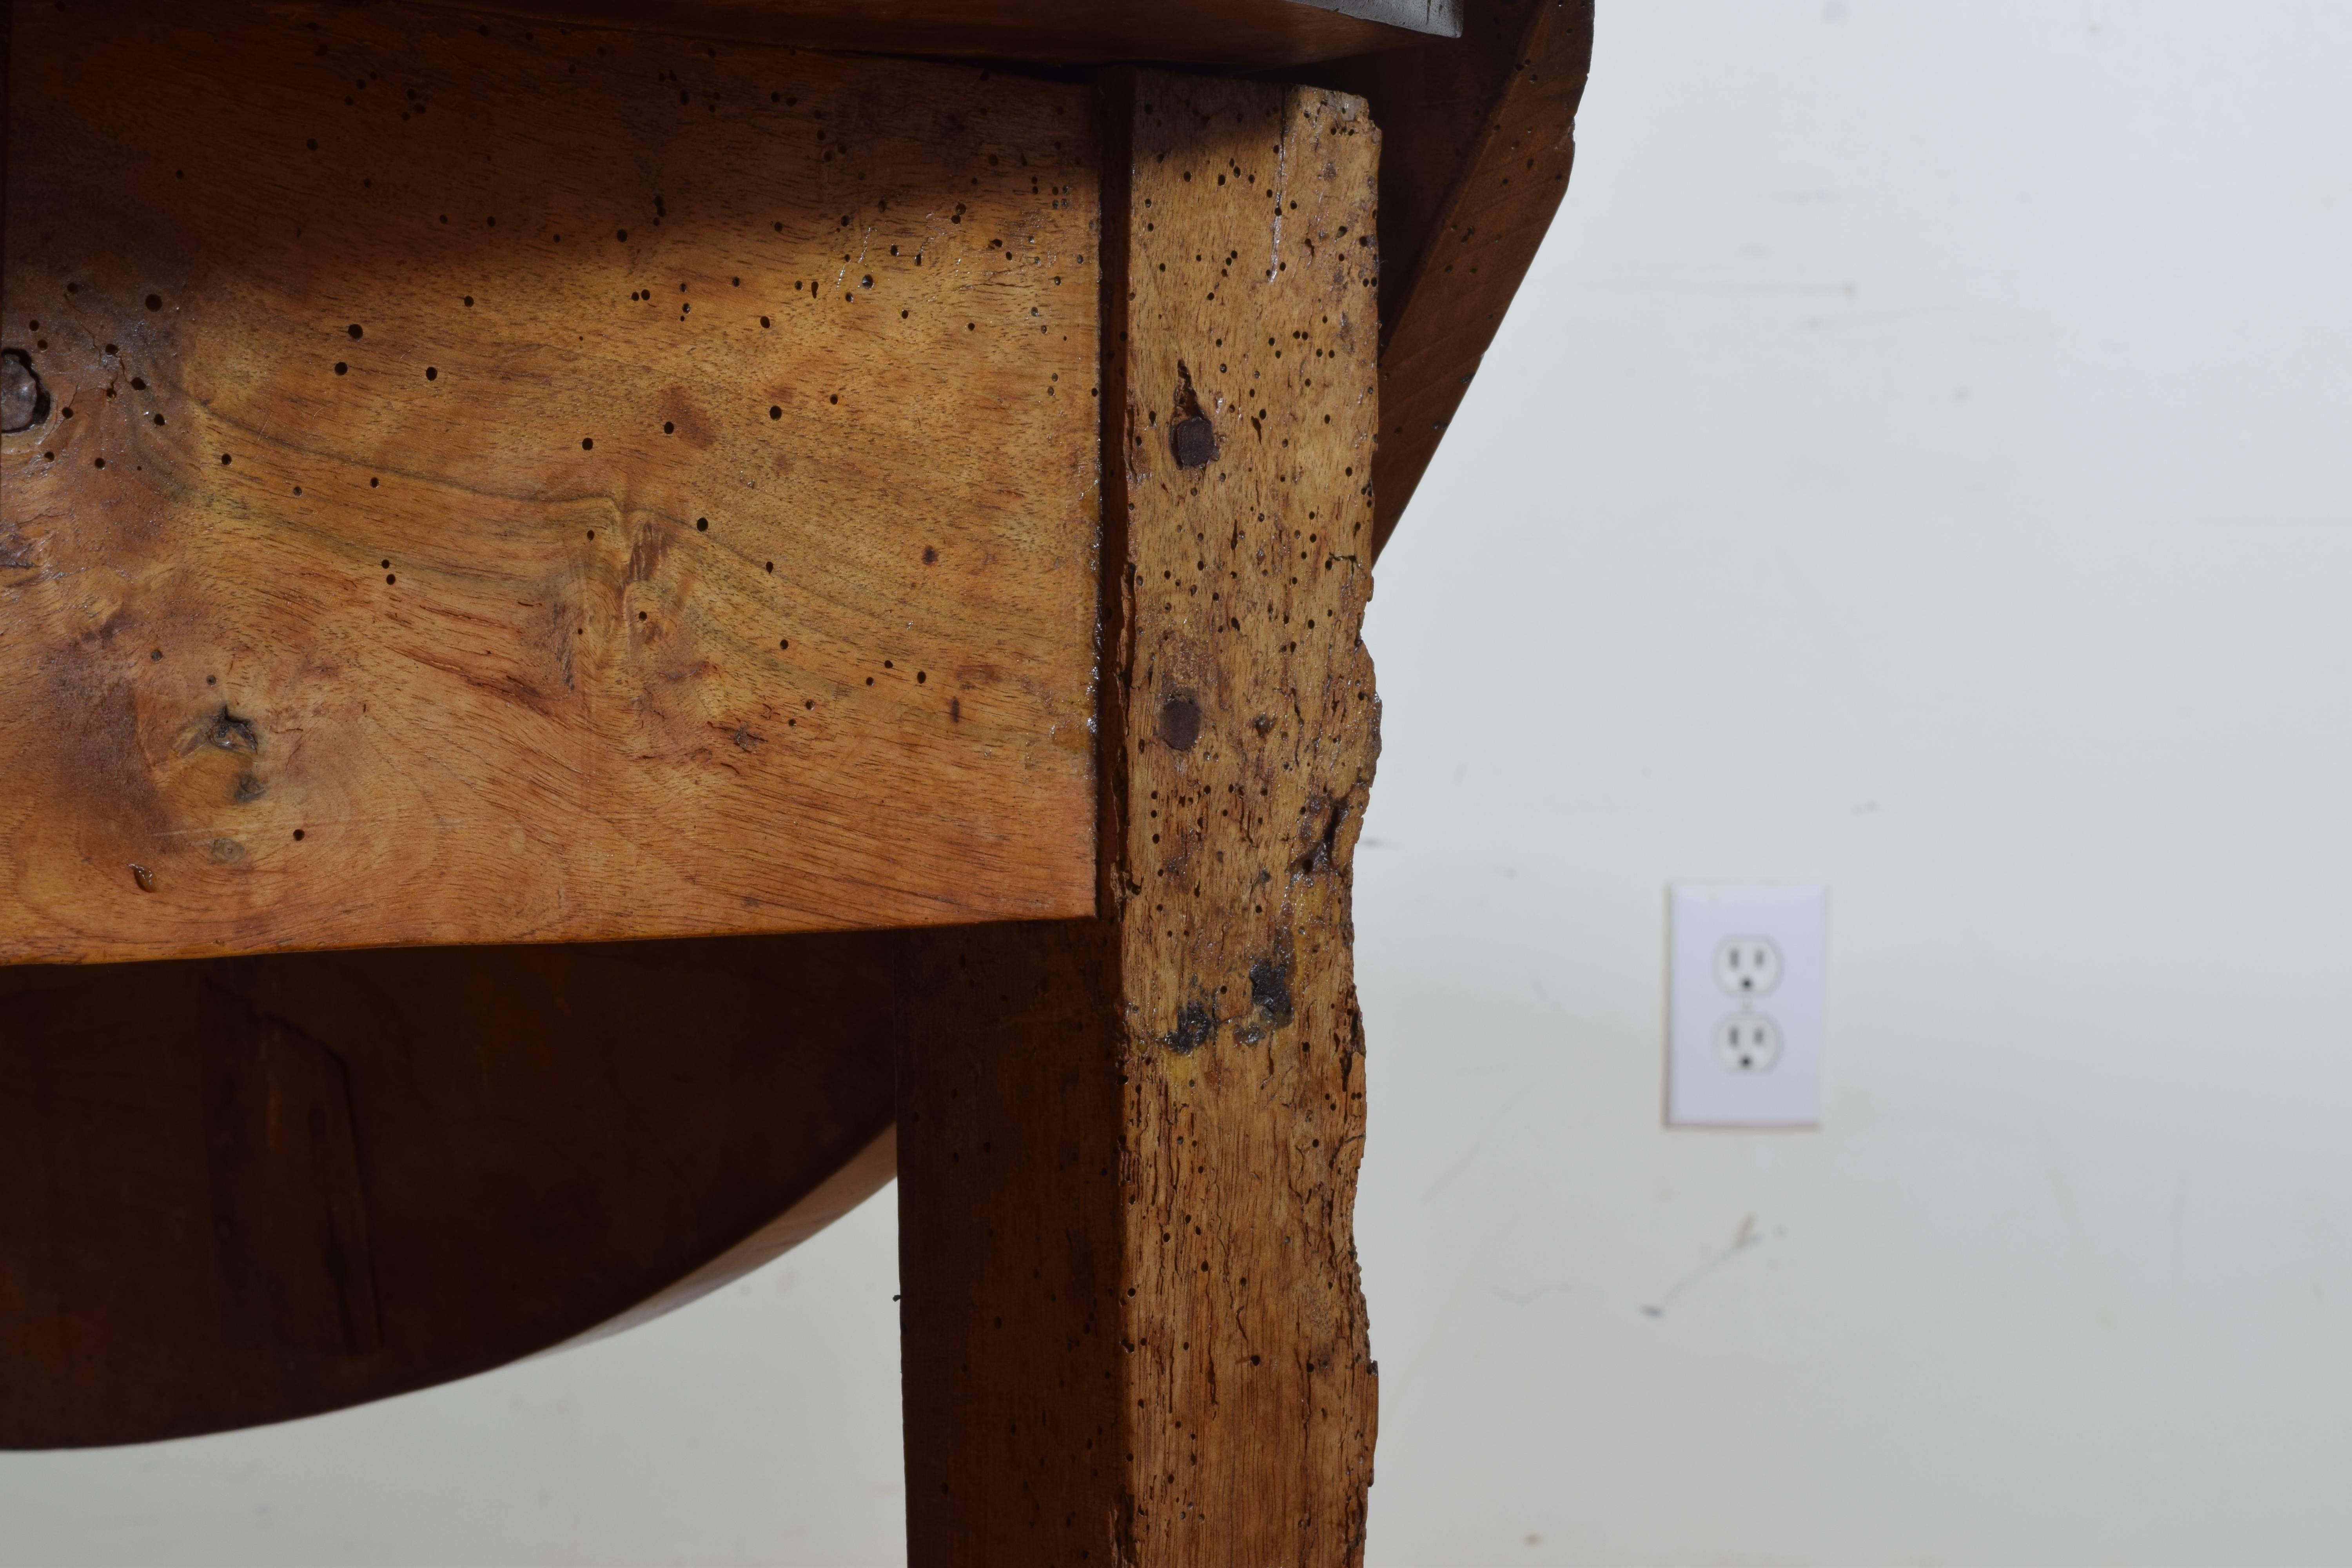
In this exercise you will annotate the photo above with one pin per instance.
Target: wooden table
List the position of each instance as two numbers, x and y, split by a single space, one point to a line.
618 619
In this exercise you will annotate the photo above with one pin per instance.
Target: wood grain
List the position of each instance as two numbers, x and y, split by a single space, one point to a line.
236 1191
555 485
1237 34
1134 1331
1012 1230
1481 140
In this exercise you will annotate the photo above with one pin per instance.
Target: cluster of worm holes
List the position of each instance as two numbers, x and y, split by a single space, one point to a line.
829 146
1192 443
826 145
144 877
809 288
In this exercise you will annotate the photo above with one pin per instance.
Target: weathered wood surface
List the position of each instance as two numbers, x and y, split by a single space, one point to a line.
235 1191
1481 139
1243 33
1134 1331
537 486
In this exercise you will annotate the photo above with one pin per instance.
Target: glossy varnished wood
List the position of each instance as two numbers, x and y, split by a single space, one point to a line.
502 486
236 1191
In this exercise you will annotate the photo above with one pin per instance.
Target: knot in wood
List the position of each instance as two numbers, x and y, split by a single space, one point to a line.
22 401
225 731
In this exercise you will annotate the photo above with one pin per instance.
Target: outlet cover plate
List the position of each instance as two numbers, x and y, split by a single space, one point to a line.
1723 941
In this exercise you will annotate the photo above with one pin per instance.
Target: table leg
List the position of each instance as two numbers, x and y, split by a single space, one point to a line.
1133 1327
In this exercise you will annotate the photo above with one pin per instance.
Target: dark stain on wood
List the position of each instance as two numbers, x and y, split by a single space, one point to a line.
1269 983
1196 1025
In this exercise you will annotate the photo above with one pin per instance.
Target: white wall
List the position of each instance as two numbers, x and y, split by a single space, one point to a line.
1921 461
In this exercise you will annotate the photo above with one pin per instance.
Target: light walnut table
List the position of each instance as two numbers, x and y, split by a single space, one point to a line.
617 621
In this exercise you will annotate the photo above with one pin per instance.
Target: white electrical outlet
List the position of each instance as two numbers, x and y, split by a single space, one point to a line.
1743 1015
1748 1042
1748 965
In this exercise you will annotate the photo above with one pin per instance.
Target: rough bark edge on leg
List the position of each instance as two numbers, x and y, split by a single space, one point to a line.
1249 328
1134 1328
